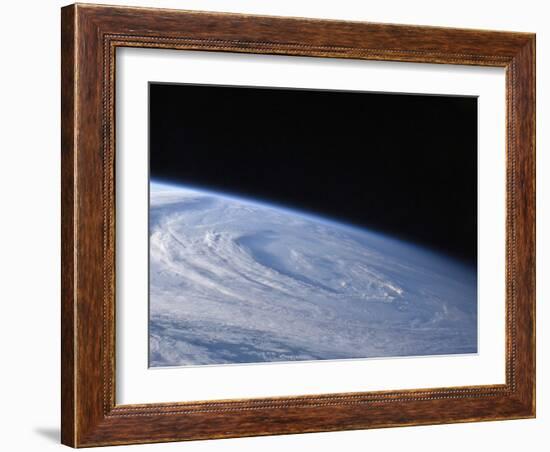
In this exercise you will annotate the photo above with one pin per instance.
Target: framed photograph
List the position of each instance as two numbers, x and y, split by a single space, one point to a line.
280 225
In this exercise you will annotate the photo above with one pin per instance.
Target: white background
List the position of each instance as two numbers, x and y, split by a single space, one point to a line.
136 383
29 187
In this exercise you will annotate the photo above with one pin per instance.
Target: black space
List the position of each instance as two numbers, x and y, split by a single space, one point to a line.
405 165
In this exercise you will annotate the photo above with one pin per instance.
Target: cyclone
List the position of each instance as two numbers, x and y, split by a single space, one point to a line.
234 280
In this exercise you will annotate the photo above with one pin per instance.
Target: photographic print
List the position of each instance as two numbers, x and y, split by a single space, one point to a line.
276 225
301 225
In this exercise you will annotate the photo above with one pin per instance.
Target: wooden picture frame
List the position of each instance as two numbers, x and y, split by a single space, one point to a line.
90 36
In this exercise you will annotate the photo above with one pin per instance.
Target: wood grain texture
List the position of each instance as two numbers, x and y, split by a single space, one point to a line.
90 36
67 224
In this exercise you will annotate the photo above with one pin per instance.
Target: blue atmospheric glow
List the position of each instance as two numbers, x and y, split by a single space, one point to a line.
389 239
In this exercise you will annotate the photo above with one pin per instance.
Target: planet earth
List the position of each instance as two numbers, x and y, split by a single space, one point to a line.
233 280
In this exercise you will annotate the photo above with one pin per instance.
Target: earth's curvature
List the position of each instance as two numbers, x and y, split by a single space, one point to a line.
234 281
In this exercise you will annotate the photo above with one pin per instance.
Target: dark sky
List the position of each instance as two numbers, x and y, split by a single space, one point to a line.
405 165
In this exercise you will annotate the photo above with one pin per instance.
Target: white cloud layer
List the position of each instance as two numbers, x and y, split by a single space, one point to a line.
233 281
